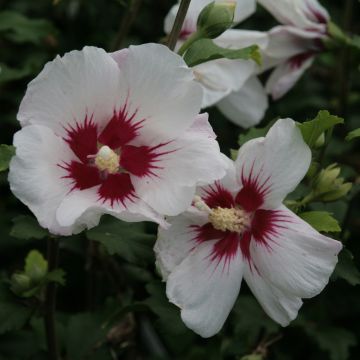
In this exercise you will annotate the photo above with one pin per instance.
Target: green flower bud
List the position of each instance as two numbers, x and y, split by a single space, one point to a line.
341 191
329 186
20 283
216 18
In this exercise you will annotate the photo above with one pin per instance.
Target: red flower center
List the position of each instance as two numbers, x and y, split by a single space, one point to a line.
242 220
108 159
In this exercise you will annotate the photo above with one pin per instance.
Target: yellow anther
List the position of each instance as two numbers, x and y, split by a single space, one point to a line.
229 219
107 160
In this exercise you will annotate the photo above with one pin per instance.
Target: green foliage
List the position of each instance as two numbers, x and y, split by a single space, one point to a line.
336 341
312 130
204 50
6 153
353 135
346 268
36 266
321 221
127 240
35 276
83 333
21 29
10 74
26 227
13 315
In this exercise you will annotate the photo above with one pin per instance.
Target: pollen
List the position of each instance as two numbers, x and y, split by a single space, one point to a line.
229 219
107 160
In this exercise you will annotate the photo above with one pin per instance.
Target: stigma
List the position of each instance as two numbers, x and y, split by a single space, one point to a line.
107 159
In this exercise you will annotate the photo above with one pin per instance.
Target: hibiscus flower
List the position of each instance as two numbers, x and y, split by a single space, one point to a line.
238 228
112 133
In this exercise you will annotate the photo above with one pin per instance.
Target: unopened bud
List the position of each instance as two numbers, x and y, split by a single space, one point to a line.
329 186
216 18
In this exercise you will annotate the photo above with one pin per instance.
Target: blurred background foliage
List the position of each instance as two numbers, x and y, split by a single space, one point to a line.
112 304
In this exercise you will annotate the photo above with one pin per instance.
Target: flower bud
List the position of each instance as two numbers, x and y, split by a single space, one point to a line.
20 283
329 186
216 18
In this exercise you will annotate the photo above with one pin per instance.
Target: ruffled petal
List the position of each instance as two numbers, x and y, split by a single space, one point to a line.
205 289
270 168
220 78
83 209
290 255
247 106
175 242
286 75
80 85
281 306
159 89
37 177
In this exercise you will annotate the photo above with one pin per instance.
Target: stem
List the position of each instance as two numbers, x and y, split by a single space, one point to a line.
179 20
126 23
193 37
50 300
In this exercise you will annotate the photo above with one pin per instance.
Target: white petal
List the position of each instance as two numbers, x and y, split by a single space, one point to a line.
296 258
35 177
120 56
205 290
281 306
285 76
247 106
299 13
71 87
175 242
159 87
244 8
288 41
221 77
238 39
191 159
276 164
83 209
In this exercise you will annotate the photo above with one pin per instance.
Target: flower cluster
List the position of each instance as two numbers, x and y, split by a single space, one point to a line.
121 134
290 48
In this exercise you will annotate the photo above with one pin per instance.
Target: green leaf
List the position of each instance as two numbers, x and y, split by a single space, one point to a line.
311 130
321 221
13 315
26 227
21 29
57 276
6 153
78 346
336 341
9 74
128 240
346 268
205 50
353 134
35 266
